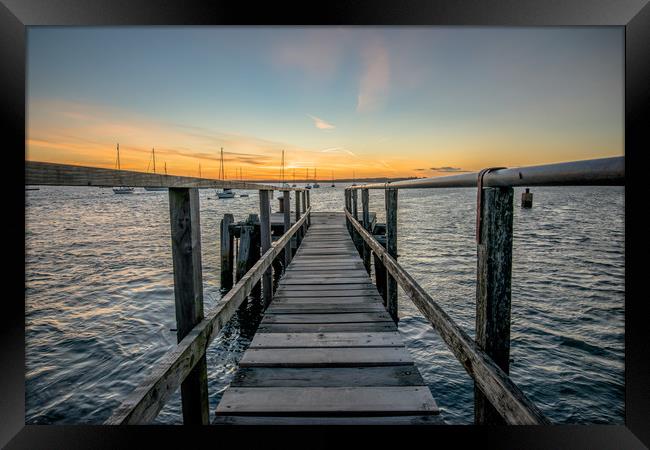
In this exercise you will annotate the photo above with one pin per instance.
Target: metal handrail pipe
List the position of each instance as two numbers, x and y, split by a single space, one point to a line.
590 172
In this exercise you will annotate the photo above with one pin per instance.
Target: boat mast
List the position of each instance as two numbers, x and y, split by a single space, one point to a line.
118 156
221 171
153 153
165 167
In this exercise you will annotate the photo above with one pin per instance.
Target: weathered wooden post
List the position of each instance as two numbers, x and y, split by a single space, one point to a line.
380 277
227 251
280 204
188 294
348 208
265 243
307 206
286 200
527 199
304 210
494 269
391 248
365 205
299 231
355 211
254 253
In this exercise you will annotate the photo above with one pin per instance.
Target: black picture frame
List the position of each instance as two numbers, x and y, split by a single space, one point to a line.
634 15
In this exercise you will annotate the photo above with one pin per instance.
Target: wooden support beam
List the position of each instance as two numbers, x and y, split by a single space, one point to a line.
307 206
355 197
494 268
227 252
265 241
365 201
391 248
348 208
188 294
286 200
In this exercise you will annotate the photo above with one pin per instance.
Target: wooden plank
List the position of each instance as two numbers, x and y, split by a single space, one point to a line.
333 308
325 327
293 300
322 288
332 400
325 357
386 339
320 281
367 294
188 294
326 318
433 419
401 375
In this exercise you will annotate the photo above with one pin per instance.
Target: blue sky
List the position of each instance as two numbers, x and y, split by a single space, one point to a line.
393 101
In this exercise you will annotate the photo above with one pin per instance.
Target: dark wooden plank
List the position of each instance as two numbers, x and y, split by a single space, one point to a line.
328 400
325 327
328 308
334 287
402 375
294 340
325 357
366 294
326 318
432 419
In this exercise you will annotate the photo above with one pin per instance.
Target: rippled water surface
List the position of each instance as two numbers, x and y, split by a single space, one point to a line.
100 297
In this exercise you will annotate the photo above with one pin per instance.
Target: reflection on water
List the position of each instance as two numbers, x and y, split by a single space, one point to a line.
100 297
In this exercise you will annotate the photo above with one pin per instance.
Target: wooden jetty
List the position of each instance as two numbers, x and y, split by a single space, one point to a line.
327 350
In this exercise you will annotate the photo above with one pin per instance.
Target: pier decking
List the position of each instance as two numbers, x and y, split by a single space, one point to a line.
326 350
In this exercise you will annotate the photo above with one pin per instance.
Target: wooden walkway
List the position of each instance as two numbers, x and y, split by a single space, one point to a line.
326 350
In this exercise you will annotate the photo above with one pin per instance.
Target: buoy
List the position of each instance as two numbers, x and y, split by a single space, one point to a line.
527 199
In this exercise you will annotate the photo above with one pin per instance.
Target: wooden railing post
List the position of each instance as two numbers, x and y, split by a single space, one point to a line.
188 294
365 200
355 197
348 208
265 244
227 252
391 248
286 200
494 268
307 205
299 232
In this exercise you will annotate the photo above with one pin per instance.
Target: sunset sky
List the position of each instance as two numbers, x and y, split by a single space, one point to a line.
382 101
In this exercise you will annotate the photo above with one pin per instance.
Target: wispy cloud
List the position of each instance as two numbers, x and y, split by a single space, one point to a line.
320 123
446 169
338 150
374 81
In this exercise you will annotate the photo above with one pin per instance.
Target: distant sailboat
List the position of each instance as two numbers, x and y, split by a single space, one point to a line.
308 186
121 189
316 185
226 192
241 179
153 156
284 184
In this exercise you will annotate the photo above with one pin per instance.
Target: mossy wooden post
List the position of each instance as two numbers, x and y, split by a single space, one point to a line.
227 252
188 294
265 244
391 248
286 200
299 232
365 200
494 269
